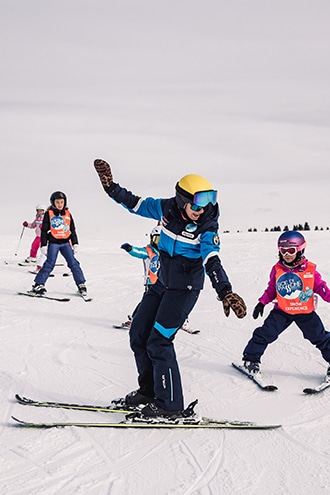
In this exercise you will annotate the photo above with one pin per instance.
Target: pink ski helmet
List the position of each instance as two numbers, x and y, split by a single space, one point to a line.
291 239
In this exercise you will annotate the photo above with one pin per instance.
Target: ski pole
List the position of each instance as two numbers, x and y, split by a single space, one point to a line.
19 242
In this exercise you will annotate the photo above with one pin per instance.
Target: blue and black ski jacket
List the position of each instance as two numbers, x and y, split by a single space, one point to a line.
187 249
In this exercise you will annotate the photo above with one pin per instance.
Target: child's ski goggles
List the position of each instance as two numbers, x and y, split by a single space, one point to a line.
289 250
154 239
202 199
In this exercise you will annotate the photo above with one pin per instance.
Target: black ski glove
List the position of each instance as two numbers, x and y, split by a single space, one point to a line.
126 246
104 172
258 310
235 302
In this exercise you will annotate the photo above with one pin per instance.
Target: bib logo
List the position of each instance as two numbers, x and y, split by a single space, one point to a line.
57 223
154 264
289 286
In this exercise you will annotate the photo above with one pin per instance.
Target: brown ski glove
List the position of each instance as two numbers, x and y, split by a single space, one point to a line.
104 172
235 302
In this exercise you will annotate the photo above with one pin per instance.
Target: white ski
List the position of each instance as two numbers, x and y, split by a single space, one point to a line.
256 378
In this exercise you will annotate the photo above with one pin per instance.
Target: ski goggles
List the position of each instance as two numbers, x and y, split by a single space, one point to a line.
289 250
154 239
202 199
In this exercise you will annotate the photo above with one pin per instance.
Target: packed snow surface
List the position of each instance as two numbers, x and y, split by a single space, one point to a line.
70 352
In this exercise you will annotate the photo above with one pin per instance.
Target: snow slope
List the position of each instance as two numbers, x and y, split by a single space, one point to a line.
70 352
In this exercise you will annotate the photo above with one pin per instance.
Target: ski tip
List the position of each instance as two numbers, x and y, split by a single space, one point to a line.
22 400
270 388
19 421
319 389
310 391
26 424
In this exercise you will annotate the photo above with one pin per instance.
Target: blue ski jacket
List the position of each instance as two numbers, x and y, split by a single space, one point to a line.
187 249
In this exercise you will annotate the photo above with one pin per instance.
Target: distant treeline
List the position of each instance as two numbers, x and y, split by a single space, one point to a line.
299 226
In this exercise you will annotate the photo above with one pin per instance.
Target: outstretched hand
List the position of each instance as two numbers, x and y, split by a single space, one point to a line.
127 247
104 172
236 303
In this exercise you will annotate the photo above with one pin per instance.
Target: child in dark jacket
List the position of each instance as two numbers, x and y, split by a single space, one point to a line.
58 235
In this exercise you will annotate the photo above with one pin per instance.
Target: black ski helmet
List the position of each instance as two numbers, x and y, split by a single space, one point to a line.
57 195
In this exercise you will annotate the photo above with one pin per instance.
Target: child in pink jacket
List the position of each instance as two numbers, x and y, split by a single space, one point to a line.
36 224
293 285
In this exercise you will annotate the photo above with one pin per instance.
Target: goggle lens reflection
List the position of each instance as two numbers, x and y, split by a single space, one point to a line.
203 198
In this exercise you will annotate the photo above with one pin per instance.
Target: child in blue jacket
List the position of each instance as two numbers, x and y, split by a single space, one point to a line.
150 257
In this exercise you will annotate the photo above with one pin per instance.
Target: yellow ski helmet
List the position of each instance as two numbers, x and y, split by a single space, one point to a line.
196 190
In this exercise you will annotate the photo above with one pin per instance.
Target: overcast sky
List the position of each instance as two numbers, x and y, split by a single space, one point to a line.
236 91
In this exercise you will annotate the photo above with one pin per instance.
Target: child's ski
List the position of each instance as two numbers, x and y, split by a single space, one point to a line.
85 297
123 326
36 273
256 379
38 296
33 263
190 330
320 388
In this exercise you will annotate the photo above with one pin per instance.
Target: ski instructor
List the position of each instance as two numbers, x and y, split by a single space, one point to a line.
188 246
